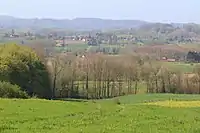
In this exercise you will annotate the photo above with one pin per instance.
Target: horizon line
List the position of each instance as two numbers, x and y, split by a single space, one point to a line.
53 18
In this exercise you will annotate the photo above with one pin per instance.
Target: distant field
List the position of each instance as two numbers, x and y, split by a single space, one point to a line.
190 46
11 40
73 48
142 88
26 42
178 66
133 115
74 42
110 46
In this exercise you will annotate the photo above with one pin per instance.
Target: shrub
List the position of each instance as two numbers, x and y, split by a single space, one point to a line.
8 90
20 65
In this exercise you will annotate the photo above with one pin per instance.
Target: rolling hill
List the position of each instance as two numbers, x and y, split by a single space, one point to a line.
78 23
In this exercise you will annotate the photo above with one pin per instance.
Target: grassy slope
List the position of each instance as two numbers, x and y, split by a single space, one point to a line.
105 116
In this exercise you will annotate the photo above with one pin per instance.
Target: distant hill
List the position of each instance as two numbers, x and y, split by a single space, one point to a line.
141 32
78 23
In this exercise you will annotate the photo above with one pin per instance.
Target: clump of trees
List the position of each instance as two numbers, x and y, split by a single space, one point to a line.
91 77
193 56
102 76
21 66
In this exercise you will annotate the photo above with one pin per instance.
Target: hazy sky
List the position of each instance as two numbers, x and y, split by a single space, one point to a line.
149 10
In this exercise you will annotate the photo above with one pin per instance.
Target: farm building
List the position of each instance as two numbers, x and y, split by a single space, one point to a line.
168 59
164 58
171 60
59 45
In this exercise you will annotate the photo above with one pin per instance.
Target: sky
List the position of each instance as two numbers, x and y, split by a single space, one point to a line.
147 10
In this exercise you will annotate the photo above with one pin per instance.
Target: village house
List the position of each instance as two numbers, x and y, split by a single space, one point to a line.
168 59
59 45
171 60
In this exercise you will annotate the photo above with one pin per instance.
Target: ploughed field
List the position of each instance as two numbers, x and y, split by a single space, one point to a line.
142 113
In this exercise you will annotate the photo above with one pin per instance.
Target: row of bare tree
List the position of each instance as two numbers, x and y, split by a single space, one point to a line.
103 76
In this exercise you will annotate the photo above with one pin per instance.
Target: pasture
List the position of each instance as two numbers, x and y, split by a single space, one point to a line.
73 48
178 66
128 114
195 47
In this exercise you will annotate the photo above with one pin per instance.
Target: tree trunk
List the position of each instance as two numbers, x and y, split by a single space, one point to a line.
108 88
136 86
163 85
87 86
156 80
54 86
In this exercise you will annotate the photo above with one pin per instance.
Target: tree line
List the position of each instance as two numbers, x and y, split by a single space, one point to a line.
102 76
94 76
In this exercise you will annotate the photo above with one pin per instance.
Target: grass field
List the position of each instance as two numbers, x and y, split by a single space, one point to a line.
73 48
178 66
190 46
133 115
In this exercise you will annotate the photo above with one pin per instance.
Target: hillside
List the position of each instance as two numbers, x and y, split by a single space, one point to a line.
104 116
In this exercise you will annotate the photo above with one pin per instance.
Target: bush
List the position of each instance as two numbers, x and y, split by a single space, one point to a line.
8 90
20 65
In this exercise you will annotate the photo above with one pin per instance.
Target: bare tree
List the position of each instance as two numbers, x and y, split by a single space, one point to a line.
197 71
56 65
